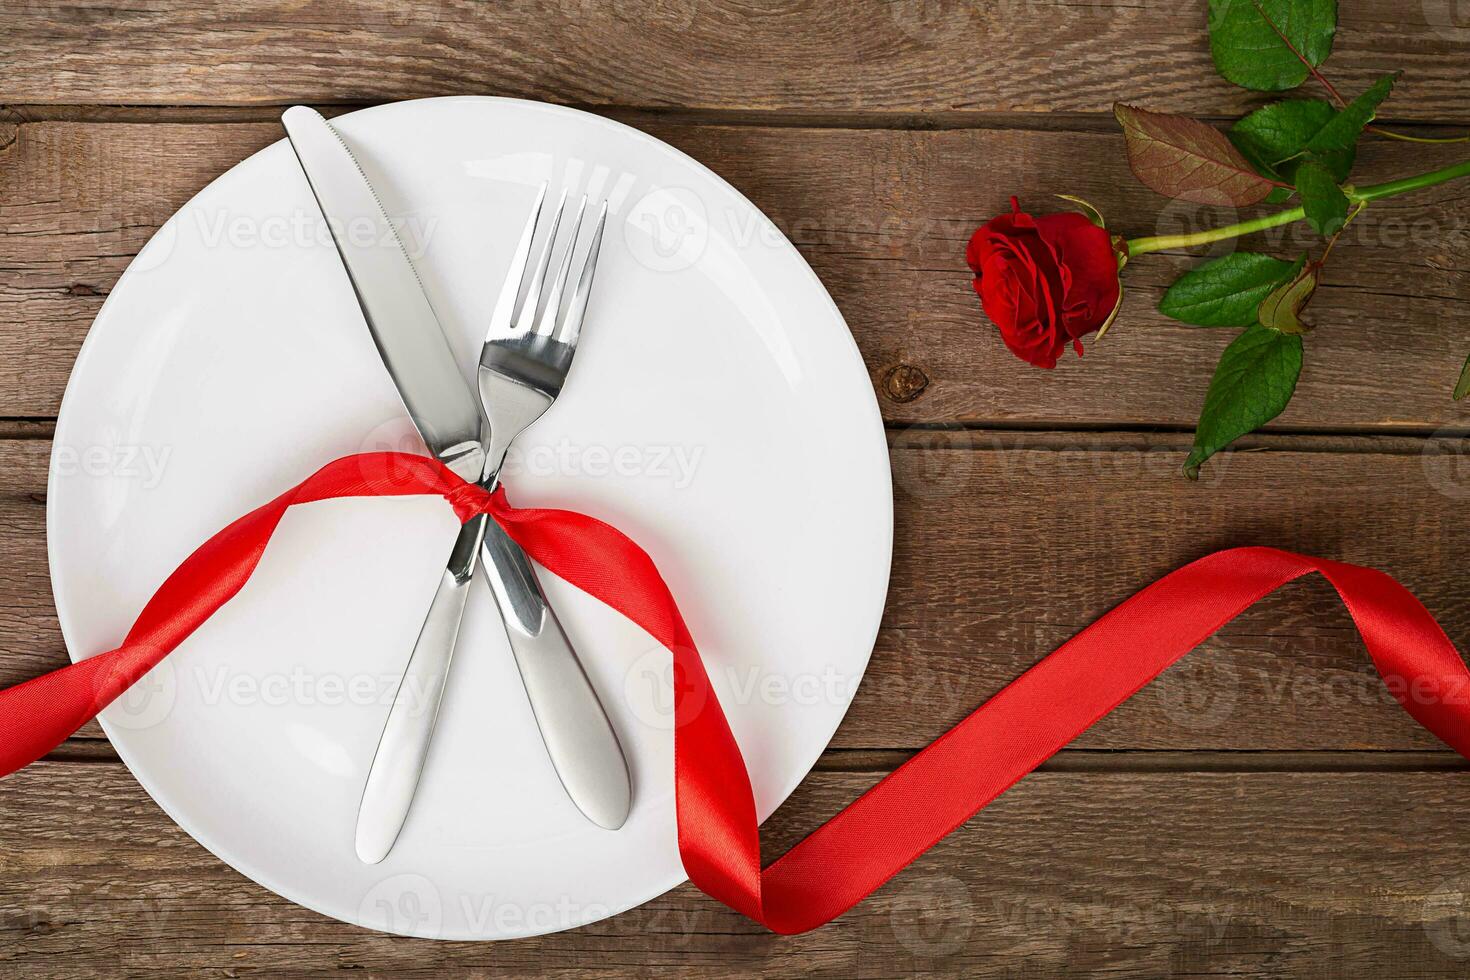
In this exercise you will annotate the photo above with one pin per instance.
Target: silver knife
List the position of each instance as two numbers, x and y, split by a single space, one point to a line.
451 421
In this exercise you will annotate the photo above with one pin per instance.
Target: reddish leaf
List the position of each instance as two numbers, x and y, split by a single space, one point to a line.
1184 158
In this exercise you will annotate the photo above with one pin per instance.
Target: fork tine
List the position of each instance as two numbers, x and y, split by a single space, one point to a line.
570 327
533 290
515 276
549 315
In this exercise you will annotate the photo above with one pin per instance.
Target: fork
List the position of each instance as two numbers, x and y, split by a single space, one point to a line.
523 365
527 353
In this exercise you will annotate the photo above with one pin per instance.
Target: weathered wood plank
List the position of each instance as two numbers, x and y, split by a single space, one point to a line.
1006 545
883 217
902 56
1254 874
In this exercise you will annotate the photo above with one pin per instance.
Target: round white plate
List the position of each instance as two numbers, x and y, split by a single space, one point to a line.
718 412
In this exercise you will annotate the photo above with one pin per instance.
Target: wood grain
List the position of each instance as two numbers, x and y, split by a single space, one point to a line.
906 56
1261 810
1008 544
883 217
1249 874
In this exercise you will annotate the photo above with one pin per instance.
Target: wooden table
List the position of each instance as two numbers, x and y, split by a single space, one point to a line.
1263 808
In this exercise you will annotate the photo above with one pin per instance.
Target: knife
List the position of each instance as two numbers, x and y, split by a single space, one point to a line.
448 416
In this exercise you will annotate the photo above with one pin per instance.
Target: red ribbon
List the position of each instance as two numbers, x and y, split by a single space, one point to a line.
872 839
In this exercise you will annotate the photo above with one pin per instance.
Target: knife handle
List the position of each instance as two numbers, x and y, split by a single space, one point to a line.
580 740
404 744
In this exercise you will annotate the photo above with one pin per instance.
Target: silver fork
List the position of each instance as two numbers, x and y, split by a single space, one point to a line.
528 350
523 366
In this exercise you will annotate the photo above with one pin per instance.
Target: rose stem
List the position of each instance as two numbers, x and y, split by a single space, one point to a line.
1158 243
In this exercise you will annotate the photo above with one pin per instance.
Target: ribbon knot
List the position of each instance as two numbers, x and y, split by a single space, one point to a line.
469 499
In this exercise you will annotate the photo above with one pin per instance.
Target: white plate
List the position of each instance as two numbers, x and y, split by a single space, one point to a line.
718 412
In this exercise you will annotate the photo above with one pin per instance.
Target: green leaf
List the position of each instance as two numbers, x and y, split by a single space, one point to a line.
1462 387
1227 291
1252 384
1282 309
1273 137
1278 138
1335 145
1267 45
1325 203
1186 159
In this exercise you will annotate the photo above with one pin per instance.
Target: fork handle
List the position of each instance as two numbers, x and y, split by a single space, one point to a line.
404 744
580 740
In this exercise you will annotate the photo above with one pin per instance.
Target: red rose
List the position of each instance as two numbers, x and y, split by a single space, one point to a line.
1044 281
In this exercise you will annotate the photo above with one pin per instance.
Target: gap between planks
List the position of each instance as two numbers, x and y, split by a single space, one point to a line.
878 761
1082 122
1178 760
1068 436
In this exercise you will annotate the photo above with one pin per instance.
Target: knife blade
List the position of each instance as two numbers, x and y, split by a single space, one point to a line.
407 333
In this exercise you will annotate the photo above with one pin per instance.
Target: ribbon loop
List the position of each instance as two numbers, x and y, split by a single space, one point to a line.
905 814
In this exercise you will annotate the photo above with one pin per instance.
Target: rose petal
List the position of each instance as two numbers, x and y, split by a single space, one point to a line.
1085 251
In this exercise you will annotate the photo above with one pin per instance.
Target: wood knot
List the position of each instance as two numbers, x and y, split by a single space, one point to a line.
904 382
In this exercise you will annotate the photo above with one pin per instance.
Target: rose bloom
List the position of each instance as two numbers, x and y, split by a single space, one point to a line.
1045 281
